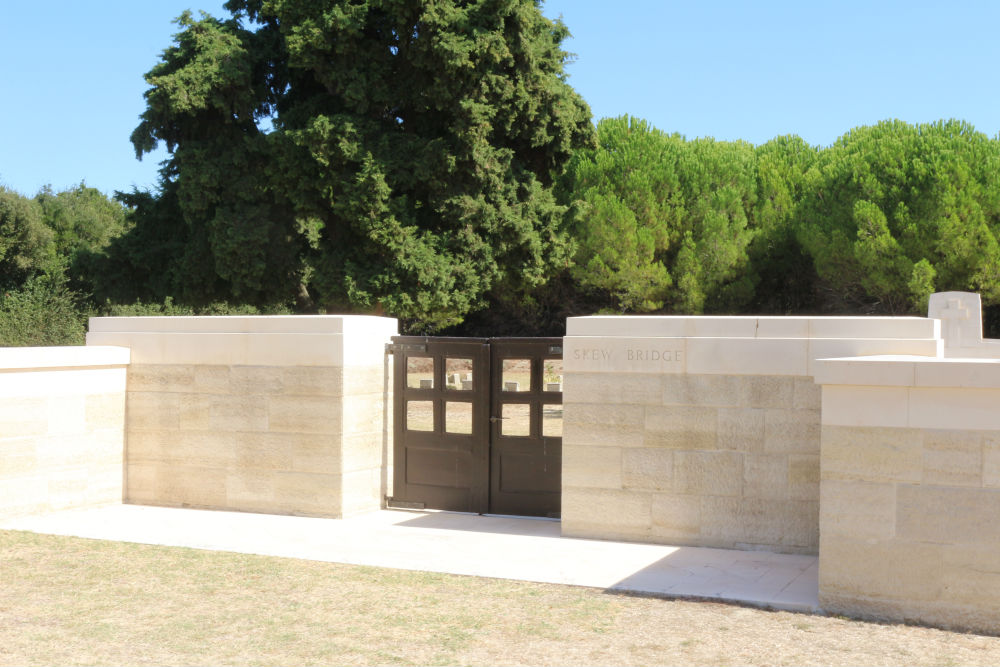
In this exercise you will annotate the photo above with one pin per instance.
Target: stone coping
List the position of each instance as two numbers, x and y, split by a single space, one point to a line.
909 371
264 340
312 324
726 356
27 358
985 349
687 326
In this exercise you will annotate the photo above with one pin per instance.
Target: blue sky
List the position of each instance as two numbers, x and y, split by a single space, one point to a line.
71 73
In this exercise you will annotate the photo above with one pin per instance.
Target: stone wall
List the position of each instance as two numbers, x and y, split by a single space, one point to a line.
266 414
910 490
713 460
62 413
868 440
705 431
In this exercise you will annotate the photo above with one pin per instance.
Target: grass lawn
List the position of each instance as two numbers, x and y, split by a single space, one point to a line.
75 601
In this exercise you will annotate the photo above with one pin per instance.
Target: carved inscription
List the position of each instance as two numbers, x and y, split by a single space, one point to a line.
592 354
625 355
653 355
631 354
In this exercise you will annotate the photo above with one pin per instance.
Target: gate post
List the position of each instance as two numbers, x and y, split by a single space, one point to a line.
277 414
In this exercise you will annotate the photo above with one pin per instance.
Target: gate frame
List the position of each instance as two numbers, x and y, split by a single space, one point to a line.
480 483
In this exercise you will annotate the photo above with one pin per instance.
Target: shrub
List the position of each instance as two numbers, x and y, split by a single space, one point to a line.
41 312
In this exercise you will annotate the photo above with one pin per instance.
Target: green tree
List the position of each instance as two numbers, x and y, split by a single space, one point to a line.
387 155
42 311
782 271
143 263
27 248
83 222
894 212
82 219
719 190
626 194
662 222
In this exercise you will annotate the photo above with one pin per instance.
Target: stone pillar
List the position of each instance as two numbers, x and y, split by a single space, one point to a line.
281 414
910 490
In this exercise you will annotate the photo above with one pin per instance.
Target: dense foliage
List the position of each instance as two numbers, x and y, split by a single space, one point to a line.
47 247
893 212
875 223
26 244
427 159
662 222
42 311
385 155
653 223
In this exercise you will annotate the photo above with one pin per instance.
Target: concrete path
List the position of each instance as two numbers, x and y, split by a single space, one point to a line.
485 546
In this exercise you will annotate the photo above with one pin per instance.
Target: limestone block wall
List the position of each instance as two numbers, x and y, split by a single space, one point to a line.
366 448
910 490
266 414
62 413
705 431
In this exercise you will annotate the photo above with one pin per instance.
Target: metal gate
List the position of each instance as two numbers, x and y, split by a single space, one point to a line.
477 424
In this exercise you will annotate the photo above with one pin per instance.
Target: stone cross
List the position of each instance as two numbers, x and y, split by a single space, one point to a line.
961 317
953 315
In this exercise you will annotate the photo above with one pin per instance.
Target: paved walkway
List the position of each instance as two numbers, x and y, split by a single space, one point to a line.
485 546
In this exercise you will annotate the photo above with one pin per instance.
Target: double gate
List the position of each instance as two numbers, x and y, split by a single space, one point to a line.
477 424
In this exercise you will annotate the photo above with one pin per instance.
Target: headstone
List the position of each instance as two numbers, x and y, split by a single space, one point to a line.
511 386
427 384
961 318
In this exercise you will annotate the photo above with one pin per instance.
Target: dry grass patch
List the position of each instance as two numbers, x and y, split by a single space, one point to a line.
75 601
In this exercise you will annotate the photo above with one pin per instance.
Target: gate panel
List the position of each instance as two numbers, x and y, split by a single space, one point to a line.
441 423
477 424
526 428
